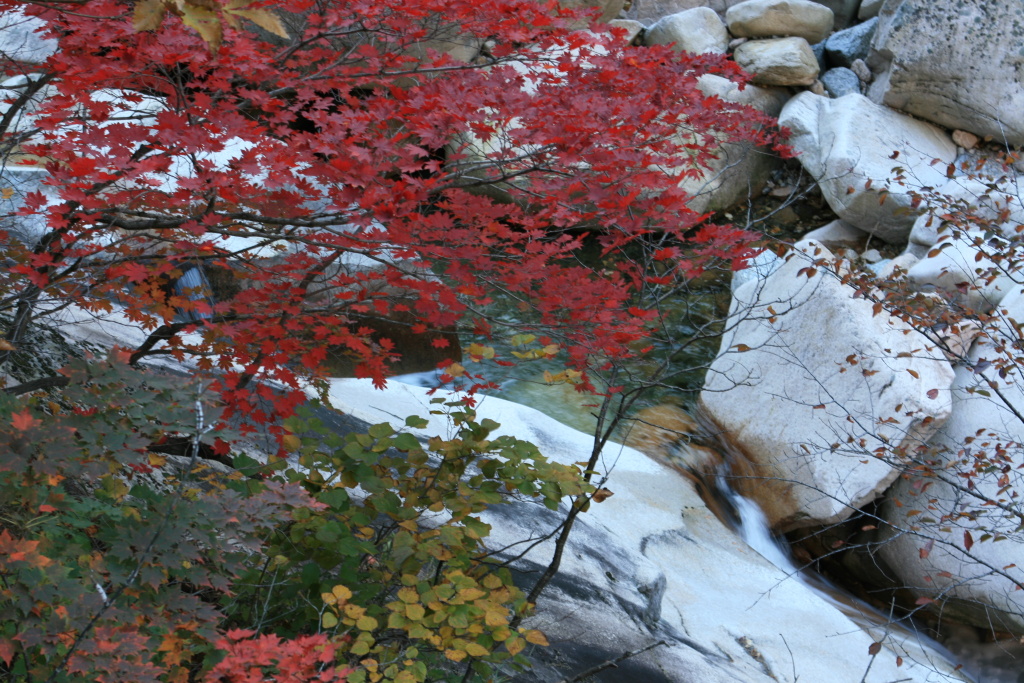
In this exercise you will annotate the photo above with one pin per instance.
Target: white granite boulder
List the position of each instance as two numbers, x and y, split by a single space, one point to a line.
767 18
695 30
778 61
852 146
20 41
945 542
651 564
970 267
956 63
816 389
974 199
740 170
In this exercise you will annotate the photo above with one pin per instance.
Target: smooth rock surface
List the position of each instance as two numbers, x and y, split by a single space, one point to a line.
650 11
696 30
981 594
869 9
838 233
963 267
849 142
843 48
778 61
841 81
809 384
609 9
740 170
956 63
651 563
974 200
20 42
766 18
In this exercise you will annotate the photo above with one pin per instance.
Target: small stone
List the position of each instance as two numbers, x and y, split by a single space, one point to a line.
964 139
818 88
871 256
841 81
736 42
860 67
837 234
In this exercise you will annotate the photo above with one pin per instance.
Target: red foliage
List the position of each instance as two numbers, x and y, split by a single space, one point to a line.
269 658
332 174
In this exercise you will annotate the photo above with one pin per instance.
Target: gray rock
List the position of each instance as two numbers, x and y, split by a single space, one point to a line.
23 180
809 382
860 67
20 43
965 267
974 585
837 234
851 146
869 9
778 61
841 81
767 18
650 11
956 63
650 564
740 169
844 11
633 29
844 47
819 54
696 30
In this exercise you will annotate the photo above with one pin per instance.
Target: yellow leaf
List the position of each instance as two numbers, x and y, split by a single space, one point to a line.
535 637
291 443
455 370
206 23
365 623
455 655
354 611
515 645
149 14
265 19
328 620
477 650
477 351
415 612
342 593
496 617
408 595
7 192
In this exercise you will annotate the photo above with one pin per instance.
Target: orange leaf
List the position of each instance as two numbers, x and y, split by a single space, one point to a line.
24 421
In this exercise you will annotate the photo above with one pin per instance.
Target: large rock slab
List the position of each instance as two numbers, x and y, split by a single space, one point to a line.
695 30
816 389
941 541
954 62
766 18
778 61
852 146
740 170
652 564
